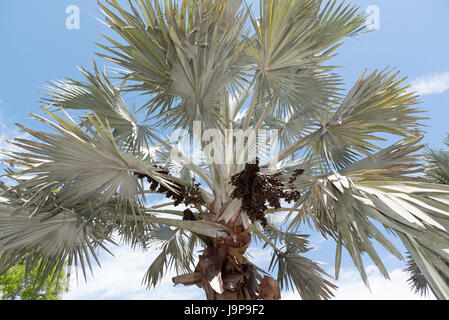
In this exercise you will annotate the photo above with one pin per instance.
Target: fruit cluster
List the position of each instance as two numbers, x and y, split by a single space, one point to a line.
180 194
256 189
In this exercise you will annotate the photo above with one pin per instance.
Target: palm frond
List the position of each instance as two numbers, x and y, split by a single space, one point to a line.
433 266
304 275
188 61
284 49
398 161
417 280
437 166
446 140
48 241
100 96
147 46
338 21
80 164
292 242
294 271
342 206
176 253
376 105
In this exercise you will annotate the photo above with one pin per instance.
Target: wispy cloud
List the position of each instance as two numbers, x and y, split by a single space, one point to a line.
431 84
7 131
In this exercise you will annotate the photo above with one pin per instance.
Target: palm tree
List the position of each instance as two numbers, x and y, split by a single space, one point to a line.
437 164
437 170
275 135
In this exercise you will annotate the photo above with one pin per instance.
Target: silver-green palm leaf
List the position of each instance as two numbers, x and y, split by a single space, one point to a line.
92 178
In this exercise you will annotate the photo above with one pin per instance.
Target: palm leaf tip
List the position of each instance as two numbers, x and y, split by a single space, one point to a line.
303 275
437 166
417 280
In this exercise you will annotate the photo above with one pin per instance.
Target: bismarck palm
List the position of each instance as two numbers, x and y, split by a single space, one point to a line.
222 67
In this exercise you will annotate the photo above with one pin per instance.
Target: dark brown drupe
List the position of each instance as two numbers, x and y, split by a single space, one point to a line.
182 194
256 188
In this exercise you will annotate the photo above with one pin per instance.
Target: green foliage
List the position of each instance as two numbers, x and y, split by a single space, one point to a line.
15 285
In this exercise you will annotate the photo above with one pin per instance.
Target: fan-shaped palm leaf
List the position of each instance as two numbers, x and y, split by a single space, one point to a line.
204 60
101 97
342 206
82 164
376 104
196 55
48 241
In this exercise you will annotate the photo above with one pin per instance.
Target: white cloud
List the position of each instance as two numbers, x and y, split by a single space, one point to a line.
351 287
120 278
431 84
8 131
4 133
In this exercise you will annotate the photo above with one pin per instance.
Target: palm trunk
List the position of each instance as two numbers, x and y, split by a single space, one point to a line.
224 273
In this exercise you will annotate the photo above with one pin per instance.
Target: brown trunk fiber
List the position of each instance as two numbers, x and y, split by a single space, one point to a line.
225 274
232 280
223 271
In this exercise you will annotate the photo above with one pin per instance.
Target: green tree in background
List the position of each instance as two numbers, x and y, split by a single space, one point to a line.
437 167
15 286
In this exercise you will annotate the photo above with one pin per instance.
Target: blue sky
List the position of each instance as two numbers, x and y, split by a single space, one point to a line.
37 48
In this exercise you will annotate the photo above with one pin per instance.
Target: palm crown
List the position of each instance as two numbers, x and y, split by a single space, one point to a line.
222 77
